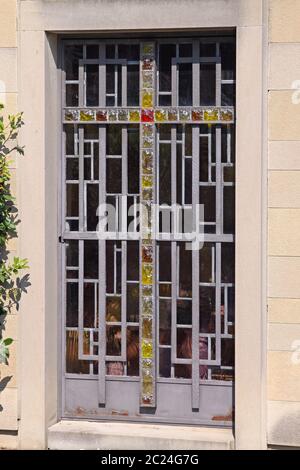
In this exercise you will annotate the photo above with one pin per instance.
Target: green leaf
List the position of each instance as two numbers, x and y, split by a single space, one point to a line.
4 352
8 341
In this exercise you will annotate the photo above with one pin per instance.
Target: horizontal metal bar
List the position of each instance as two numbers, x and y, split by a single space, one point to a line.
114 359
182 361
207 237
213 284
210 60
182 60
88 357
101 62
126 378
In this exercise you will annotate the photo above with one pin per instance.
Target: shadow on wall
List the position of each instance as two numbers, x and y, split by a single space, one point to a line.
15 288
3 385
285 428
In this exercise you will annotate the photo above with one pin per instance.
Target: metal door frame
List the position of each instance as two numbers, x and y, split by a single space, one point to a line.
216 238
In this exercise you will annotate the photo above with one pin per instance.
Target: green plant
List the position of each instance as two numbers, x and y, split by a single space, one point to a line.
11 285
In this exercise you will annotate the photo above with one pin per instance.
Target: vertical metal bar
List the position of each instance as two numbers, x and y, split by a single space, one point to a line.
102 75
174 178
123 301
81 87
95 285
154 284
115 267
219 192
102 274
135 205
80 299
195 253
213 261
85 208
76 141
219 230
124 180
124 243
156 174
195 268
226 310
228 144
156 95
174 83
218 77
196 73
63 182
209 146
116 85
92 161
91 349
173 245
218 303
177 269
156 303
124 84
183 189
81 179
117 220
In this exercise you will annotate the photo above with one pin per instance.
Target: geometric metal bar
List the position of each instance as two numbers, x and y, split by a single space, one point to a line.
218 304
81 244
80 300
218 77
124 212
81 179
147 115
219 189
102 76
195 270
195 253
174 257
174 81
207 237
102 275
102 243
196 74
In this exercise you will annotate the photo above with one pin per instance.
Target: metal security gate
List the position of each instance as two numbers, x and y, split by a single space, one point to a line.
148 296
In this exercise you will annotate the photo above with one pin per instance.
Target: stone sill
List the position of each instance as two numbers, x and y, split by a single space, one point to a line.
90 435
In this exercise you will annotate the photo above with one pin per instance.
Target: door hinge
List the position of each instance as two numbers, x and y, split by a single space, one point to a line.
61 239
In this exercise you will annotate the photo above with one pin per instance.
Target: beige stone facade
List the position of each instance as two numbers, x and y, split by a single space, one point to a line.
283 217
268 176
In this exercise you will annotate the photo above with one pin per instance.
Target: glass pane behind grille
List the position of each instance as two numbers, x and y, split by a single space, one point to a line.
161 131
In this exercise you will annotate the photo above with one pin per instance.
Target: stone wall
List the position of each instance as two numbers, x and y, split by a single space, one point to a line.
284 224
